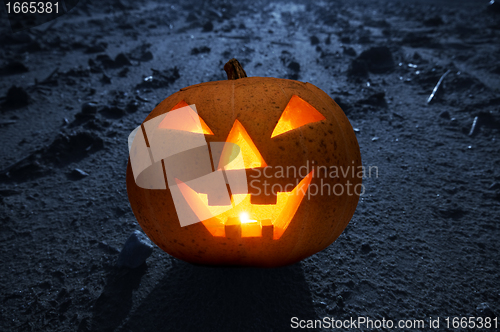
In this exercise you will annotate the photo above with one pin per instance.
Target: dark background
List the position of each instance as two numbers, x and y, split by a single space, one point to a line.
423 241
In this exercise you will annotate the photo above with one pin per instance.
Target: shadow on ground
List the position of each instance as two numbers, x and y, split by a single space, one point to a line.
194 298
115 301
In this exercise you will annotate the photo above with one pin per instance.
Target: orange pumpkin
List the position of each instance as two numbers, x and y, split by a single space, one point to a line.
290 135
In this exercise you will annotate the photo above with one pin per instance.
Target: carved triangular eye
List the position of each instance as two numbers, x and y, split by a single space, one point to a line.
297 113
186 121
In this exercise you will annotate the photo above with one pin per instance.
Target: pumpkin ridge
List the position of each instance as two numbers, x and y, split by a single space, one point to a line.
303 146
344 206
347 152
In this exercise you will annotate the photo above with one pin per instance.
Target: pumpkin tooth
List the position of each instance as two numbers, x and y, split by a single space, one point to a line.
267 229
235 229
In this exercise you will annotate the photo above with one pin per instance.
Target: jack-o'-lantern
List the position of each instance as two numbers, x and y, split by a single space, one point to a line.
289 144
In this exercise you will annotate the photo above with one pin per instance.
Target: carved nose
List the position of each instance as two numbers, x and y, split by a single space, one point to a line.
250 155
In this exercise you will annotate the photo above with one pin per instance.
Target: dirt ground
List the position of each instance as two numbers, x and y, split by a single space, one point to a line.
422 243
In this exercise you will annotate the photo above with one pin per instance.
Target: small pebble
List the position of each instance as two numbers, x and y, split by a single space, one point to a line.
365 248
494 6
122 60
16 97
314 40
89 108
484 310
207 27
444 115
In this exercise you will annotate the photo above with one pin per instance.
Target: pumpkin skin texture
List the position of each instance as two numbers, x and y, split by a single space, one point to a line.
258 103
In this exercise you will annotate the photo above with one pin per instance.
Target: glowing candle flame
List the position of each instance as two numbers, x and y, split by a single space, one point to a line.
245 219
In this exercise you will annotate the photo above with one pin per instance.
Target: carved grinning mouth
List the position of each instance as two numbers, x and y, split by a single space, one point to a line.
242 218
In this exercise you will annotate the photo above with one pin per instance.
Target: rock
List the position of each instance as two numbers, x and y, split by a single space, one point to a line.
340 301
378 59
132 106
135 251
434 21
295 66
8 122
89 108
364 39
358 68
198 50
9 192
418 40
192 16
122 60
87 113
141 53
147 56
291 63
417 56
487 119
344 105
72 148
365 248
123 72
375 99
350 51
96 48
494 6
445 115
16 38
16 97
453 212
105 60
14 67
494 186
104 245
345 40
105 79
207 27
112 112
314 40
484 310
159 79
94 67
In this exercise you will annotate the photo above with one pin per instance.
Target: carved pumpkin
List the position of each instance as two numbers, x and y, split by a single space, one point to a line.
295 147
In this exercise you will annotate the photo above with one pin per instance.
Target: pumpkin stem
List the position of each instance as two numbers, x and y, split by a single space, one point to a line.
234 70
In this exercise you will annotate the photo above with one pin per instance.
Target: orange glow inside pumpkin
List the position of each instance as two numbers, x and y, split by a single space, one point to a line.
186 124
251 155
244 219
297 113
